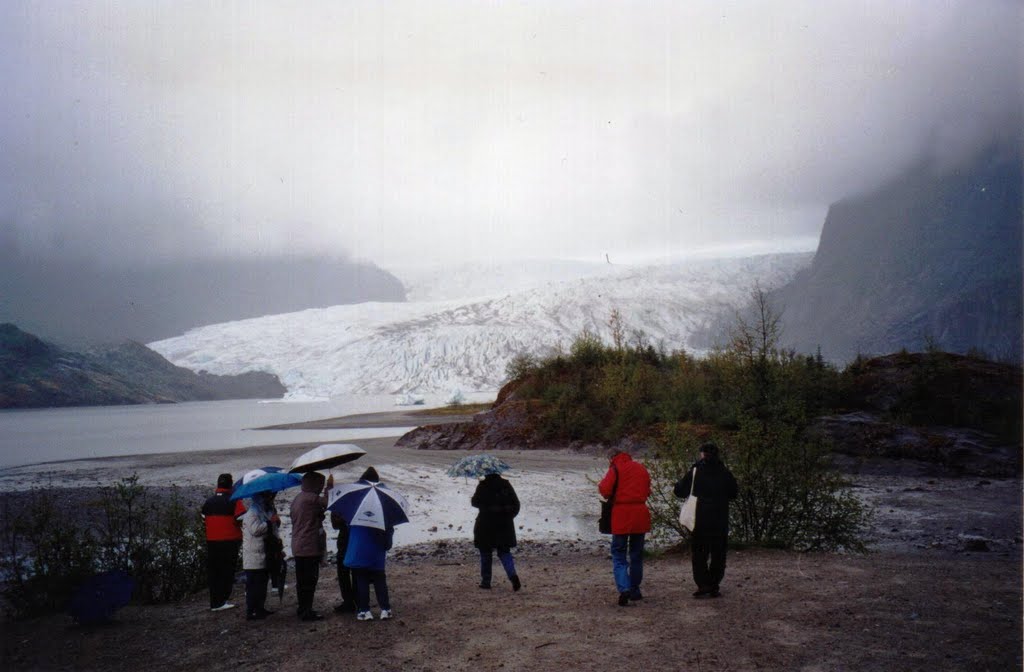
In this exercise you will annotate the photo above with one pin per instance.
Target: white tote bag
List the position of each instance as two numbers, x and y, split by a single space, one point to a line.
688 512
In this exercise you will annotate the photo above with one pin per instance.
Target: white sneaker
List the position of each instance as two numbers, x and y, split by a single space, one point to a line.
223 607
386 615
364 616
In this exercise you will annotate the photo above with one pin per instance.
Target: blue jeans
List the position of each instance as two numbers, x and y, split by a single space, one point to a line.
504 554
628 572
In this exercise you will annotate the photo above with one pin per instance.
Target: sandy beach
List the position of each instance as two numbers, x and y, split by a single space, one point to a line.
918 601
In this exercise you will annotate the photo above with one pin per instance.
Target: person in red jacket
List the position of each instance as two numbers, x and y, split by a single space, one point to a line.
223 539
628 484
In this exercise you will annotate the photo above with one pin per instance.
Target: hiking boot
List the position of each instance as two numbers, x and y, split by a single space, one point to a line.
485 585
701 592
636 595
223 607
311 616
364 616
714 592
345 608
386 615
623 599
516 583
257 616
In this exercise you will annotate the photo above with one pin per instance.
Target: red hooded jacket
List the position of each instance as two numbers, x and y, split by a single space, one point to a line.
630 514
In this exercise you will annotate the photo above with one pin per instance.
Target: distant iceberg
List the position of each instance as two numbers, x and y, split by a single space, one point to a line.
456 398
408 399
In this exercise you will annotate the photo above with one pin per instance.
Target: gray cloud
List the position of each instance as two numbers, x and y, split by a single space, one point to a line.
415 131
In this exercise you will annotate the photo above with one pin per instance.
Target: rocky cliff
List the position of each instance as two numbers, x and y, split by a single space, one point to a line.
930 260
34 373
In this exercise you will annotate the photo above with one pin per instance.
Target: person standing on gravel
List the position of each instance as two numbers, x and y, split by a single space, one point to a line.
367 556
631 521
345 585
257 527
713 486
309 540
223 539
495 528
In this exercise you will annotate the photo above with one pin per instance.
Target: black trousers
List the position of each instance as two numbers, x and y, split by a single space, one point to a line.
255 591
348 593
307 574
221 560
707 553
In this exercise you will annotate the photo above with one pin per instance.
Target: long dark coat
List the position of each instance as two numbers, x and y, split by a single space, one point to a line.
714 487
495 526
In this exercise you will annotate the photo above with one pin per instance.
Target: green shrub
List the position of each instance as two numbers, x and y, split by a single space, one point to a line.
46 553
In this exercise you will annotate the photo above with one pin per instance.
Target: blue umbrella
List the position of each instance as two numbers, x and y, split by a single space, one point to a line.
368 504
274 481
478 465
99 596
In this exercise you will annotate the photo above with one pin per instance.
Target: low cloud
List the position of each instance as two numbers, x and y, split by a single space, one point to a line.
414 132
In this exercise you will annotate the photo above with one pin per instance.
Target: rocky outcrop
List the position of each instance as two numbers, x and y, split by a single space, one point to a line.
35 374
955 414
962 451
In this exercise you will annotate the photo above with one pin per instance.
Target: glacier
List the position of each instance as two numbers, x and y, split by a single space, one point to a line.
441 341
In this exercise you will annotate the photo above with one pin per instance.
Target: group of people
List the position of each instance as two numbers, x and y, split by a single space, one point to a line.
627 484
362 551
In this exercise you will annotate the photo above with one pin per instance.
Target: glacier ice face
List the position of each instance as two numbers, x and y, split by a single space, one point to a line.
436 346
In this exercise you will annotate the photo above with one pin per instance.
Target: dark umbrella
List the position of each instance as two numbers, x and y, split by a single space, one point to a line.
100 596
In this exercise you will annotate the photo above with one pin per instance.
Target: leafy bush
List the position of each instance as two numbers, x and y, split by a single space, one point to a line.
46 552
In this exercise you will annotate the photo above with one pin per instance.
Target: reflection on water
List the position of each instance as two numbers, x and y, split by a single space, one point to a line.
45 435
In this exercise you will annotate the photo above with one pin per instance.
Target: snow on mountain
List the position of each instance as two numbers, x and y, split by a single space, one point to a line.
436 346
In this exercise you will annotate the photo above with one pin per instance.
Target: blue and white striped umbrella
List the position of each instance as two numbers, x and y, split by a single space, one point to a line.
476 466
368 504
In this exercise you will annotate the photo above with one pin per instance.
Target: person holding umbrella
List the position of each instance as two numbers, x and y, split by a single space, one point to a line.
309 540
257 526
495 528
371 510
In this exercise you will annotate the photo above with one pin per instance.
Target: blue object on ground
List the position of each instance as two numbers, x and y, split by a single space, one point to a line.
99 596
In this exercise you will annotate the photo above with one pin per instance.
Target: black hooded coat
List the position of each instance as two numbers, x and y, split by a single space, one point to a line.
495 525
714 487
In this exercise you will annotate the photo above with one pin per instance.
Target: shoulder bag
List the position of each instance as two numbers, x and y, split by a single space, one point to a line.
688 512
604 523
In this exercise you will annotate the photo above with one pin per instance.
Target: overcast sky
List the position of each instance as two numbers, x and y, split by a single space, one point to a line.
425 132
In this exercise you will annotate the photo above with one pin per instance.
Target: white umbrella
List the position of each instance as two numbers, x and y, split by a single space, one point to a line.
326 456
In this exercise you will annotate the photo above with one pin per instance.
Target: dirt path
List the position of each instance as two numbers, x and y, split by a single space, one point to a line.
779 611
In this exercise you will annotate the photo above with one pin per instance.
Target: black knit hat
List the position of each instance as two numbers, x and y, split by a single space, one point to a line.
709 448
370 475
225 481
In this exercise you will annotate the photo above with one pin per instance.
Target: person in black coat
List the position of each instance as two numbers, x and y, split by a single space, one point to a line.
495 528
345 583
714 487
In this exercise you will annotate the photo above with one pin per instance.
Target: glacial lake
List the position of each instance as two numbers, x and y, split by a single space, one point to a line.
53 434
